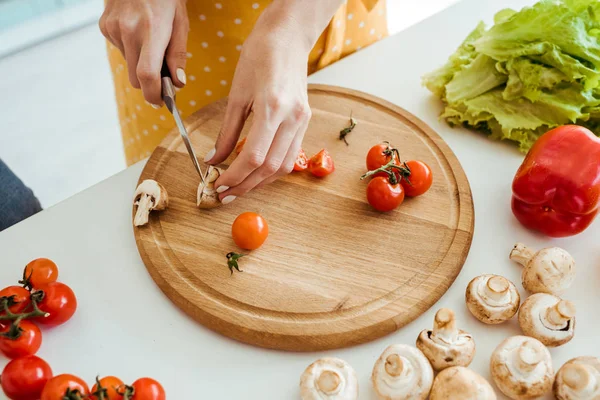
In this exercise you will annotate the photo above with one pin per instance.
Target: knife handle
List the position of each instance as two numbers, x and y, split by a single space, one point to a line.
168 90
164 71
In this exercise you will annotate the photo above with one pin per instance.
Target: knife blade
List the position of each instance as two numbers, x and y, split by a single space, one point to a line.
168 95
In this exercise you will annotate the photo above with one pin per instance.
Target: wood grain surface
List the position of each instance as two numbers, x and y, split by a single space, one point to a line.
333 271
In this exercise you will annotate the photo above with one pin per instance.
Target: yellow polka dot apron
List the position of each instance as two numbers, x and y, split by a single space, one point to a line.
217 32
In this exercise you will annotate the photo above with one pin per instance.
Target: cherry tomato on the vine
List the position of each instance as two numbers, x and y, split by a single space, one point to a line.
20 299
383 195
111 386
24 378
321 164
377 157
420 178
59 301
40 272
147 389
28 342
249 231
301 161
57 387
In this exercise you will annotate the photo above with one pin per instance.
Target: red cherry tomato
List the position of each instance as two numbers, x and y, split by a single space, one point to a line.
24 378
249 231
301 161
420 179
147 389
384 196
240 146
20 300
377 157
28 342
321 164
57 387
111 386
41 271
59 301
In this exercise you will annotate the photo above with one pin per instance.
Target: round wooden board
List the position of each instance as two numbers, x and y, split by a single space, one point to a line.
333 272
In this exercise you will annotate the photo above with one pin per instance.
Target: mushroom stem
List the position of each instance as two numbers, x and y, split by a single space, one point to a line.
394 365
496 288
528 357
143 210
521 254
560 314
329 382
444 326
579 378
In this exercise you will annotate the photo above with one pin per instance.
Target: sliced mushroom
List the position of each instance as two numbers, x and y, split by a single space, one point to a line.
149 195
578 379
402 372
207 196
521 367
446 345
492 299
548 319
329 378
550 270
456 383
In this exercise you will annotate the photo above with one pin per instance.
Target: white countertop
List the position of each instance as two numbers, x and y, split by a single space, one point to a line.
125 326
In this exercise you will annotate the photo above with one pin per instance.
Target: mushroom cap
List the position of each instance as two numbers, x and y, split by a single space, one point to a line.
492 299
578 379
536 319
402 372
329 378
461 383
521 367
550 270
207 196
156 191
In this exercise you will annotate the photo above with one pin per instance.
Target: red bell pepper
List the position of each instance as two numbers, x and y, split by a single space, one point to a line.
556 190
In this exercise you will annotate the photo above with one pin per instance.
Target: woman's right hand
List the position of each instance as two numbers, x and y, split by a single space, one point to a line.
145 31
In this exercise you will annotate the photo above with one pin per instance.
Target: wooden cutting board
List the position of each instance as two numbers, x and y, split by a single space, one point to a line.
333 271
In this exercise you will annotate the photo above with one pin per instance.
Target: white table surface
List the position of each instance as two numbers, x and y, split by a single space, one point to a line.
125 326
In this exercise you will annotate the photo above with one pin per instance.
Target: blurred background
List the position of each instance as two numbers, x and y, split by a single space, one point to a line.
59 130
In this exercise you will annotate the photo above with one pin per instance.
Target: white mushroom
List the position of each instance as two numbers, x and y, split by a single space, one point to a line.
550 270
149 195
521 367
456 383
548 319
329 379
207 196
446 345
578 379
402 372
492 299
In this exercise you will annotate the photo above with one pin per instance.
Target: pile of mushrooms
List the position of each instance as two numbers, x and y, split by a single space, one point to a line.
329 378
492 299
578 379
461 383
149 196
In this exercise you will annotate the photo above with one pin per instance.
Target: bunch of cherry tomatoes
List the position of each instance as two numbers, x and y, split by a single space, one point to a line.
40 300
393 179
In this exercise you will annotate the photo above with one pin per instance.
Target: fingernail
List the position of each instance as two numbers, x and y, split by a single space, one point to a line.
228 199
181 75
222 189
155 106
210 155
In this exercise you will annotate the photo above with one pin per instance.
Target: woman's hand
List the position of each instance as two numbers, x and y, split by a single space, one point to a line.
270 81
145 31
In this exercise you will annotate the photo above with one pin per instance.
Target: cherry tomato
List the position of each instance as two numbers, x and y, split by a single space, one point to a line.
301 161
420 178
28 342
110 385
383 196
25 378
321 164
249 231
41 271
147 389
59 301
57 387
377 158
21 298
240 146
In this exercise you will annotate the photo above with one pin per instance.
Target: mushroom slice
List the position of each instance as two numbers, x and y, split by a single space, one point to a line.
329 378
521 367
207 196
402 372
548 319
149 195
578 379
446 345
461 383
492 299
550 270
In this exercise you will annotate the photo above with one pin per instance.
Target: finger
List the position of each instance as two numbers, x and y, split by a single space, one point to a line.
150 62
233 123
131 49
111 30
176 51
